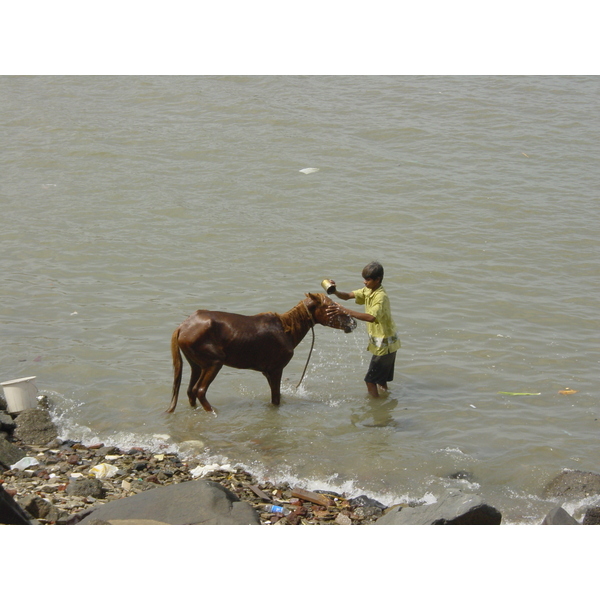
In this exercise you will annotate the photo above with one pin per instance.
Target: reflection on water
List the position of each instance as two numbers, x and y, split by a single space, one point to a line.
377 413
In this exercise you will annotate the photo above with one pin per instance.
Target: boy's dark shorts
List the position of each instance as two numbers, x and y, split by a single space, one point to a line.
381 369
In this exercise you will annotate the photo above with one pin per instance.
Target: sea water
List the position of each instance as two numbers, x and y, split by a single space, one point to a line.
130 202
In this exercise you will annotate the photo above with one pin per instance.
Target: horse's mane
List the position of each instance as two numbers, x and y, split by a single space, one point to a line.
294 320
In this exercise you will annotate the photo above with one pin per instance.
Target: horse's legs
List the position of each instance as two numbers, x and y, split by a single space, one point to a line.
206 378
274 379
194 377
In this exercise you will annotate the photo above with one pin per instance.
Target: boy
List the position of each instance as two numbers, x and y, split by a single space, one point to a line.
383 340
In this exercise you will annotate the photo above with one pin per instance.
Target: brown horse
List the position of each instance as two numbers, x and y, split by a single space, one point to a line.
263 342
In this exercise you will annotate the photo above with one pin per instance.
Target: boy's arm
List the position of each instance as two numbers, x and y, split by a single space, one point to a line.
337 308
342 295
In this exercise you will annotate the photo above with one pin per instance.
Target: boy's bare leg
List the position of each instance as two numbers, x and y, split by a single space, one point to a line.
372 389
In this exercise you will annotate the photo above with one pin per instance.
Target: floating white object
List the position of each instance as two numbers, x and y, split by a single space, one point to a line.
309 170
20 394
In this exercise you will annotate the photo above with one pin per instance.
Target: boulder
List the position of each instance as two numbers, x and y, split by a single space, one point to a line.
574 485
365 501
592 516
3 403
559 516
454 507
39 508
86 486
7 423
198 502
9 454
35 427
10 512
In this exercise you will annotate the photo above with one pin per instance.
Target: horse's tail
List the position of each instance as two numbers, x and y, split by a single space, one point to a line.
177 369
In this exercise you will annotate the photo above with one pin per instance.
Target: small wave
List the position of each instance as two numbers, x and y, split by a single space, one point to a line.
450 451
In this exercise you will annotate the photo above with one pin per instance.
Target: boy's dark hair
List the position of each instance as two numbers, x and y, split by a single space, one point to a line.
373 270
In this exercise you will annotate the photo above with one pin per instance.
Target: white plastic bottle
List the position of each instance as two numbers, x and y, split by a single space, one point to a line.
279 510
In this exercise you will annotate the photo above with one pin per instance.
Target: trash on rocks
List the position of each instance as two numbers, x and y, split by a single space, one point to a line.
273 508
259 492
24 463
103 471
201 471
312 497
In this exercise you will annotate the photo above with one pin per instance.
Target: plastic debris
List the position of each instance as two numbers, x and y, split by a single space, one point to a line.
309 170
24 463
103 471
521 393
201 471
273 508
567 391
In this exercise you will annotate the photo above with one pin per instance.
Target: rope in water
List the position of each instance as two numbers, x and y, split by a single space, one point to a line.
311 345
311 349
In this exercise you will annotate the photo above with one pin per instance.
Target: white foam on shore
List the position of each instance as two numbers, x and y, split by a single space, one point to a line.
68 428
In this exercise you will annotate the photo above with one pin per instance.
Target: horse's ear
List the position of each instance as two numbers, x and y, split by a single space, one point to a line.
316 298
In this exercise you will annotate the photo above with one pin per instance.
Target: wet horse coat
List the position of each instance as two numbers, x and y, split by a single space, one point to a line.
264 342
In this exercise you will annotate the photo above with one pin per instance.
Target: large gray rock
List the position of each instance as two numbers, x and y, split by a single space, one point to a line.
200 502
10 512
573 484
559 516
35 427
9 454
453 508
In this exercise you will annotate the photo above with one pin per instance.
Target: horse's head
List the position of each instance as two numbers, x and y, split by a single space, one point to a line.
317 306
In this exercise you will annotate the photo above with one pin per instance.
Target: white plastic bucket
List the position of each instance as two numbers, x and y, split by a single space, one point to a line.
20 394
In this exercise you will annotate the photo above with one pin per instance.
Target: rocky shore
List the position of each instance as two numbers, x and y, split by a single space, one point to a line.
61 482
49 481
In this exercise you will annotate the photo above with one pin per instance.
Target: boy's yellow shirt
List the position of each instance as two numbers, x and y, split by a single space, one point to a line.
383 338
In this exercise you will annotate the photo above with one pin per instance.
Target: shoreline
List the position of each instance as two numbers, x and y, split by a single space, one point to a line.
56 489
59 481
